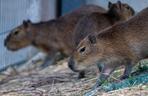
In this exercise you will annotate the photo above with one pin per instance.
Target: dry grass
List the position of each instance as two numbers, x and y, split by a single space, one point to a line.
58 80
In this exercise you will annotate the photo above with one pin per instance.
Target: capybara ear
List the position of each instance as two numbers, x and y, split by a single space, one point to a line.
92 39
109 4
26 23
120 4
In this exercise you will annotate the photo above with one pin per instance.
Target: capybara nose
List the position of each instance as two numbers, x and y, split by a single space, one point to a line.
71 64
5 42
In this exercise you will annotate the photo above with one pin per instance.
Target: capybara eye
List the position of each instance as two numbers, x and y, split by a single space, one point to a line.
82 49
16 32
127 7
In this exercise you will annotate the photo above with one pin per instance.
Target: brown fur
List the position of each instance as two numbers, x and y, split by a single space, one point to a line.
96 21
122 44
51 36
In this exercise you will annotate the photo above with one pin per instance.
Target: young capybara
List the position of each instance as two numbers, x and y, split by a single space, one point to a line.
124 44
51 36
54 35
96 21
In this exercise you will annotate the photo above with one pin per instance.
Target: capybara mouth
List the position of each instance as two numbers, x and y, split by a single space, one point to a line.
9 46
71 65
11 49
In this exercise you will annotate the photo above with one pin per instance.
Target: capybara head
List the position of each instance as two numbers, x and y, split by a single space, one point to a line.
19 37
121 10
86 52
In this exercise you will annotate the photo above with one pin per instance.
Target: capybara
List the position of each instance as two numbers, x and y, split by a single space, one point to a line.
96 21
52 36
123 44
